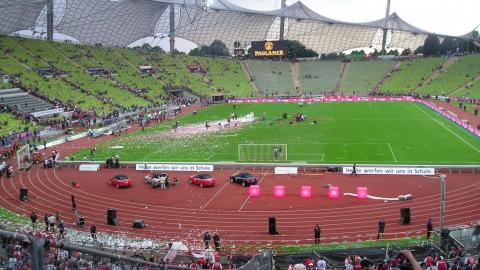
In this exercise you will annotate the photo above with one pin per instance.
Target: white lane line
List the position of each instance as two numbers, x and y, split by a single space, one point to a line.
442 125
248 197
391 151
216 194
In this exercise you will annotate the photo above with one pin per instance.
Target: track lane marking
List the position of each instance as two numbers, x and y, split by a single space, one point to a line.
248 197
215 195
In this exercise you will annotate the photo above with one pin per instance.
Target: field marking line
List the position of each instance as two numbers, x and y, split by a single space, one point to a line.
456 135
215 195
248 197
211 156
323 155
391 151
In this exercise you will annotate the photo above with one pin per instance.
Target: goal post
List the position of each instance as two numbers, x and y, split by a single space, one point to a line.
262 152
24 158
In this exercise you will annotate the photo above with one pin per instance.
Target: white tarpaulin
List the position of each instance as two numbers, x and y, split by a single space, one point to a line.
390 170
177 247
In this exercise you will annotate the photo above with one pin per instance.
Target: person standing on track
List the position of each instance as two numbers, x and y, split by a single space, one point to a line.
381 228
206 239
429 228
33 217
354 169
316 233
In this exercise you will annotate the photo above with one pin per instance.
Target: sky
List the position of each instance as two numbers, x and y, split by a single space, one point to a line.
439 16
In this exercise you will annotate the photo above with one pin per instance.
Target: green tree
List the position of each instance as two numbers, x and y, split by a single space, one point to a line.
448 45
295 49
218 48
431 46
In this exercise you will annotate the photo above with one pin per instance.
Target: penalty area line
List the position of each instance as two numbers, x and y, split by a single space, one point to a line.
391 151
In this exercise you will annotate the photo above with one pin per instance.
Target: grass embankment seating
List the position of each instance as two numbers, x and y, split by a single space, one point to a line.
273 77
8 123
411 74
363 76
319 76
100 87
464 70
18 61
227 76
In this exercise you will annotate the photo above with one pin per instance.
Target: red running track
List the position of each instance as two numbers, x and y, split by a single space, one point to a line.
183 212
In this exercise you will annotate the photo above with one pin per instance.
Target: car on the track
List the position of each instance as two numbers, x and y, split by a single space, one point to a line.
154 179
120 180
243 178
202 180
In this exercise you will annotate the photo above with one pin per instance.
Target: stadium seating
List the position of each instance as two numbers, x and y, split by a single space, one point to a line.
411 74
227 75
319 76
362 76
273 77
23 101
101 87
464 70
16 63
9 123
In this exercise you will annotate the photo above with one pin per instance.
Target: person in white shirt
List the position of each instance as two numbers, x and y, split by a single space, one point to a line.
321 264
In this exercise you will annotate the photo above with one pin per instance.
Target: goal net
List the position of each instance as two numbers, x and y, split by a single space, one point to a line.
24 158
262 152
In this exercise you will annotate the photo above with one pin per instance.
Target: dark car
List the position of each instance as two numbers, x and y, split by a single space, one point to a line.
244 178
202 179
120 180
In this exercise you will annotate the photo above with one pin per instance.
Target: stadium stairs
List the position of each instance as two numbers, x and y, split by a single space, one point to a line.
246 68
295 66
342 76
393 67
437 73
24 101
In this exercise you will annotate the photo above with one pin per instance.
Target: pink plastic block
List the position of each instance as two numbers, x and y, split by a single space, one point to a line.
333 192
306 192
279 191
362 192
254 191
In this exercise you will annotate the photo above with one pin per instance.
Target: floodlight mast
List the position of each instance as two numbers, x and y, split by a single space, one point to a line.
385 28
172 28
282 21
50 20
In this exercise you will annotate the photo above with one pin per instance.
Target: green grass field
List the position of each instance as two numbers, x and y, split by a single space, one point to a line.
362 132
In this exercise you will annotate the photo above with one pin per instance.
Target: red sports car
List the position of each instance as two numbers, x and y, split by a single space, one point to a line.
120 181
202 179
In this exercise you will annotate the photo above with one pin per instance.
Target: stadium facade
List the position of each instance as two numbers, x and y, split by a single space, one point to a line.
120 23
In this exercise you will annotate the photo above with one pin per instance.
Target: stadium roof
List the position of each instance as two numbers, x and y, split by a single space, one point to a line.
122 22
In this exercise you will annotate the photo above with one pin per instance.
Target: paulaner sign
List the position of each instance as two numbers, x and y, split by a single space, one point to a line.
269 48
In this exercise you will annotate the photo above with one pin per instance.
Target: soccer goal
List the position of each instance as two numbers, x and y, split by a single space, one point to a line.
262 152
24 158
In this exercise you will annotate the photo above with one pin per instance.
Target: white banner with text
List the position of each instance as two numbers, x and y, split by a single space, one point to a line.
174 167
390 170
286 170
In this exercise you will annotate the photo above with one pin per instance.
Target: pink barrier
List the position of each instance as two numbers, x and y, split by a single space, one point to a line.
428 103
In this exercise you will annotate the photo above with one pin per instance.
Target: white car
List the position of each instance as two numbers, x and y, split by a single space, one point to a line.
154 179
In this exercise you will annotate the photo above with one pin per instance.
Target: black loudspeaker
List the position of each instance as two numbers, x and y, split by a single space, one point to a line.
23 194
139 224
477 230
404 216
112 217
272 225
